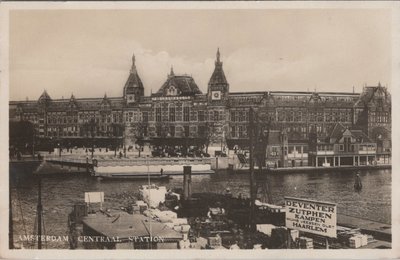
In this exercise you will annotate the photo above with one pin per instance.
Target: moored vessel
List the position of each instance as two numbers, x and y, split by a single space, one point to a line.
151 167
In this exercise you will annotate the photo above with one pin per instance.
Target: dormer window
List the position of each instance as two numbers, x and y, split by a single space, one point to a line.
172 91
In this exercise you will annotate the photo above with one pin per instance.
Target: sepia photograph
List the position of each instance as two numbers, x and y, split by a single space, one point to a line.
253 128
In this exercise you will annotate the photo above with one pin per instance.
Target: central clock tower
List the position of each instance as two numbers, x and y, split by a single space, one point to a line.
217 99
218 87
133 89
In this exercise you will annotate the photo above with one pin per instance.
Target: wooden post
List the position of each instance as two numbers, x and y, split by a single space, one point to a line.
39 213
327 243
289 239
252 180
187 182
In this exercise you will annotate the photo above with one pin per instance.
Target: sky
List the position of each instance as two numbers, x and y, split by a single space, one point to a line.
88 52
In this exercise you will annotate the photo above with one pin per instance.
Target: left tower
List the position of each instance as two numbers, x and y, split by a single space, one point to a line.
133 89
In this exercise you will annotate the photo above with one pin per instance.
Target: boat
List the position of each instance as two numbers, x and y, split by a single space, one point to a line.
119 229
134 176
156 168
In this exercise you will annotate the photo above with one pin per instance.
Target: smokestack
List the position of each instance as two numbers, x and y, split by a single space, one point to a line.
187 182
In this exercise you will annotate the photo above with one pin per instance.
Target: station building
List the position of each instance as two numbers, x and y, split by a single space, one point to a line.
180 114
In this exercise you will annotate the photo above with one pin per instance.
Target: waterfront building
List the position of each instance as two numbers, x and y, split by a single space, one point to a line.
180 114
343 146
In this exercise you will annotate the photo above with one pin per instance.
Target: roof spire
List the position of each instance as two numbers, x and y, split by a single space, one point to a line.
133 68
218 55
172 71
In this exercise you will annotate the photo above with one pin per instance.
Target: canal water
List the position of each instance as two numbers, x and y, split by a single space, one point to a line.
60 193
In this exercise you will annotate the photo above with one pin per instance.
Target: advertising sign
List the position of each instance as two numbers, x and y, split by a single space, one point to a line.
311 216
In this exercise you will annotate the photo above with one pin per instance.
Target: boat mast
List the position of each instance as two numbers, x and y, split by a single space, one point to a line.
39 213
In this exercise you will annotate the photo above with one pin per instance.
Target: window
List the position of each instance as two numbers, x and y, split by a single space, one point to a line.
291 116
158 130
313 116
233 131
242 116
186 131
145 117
172 91
216 115
158 114
233 116
186 113
241 131
320 116
172 131
171 113
281 115
201 130
274 151
201 115
297 118
347 144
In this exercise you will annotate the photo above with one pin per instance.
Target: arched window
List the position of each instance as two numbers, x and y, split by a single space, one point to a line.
171 112
158 113
186 113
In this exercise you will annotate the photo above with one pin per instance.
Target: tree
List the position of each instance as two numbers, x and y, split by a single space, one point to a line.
207 134
138 131
90 131
22 134
117 130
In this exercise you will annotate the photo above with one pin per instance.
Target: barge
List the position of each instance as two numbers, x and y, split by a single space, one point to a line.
150 167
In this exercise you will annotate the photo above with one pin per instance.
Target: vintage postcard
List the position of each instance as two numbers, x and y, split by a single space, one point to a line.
200 130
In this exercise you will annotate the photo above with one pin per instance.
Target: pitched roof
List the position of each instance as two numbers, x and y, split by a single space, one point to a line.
218 76
369 93
185 85
360 136
337 132
133 80
44 97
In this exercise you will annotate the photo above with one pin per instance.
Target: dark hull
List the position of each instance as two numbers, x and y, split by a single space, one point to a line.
237 210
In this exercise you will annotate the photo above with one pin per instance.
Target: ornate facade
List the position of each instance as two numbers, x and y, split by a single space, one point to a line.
179 112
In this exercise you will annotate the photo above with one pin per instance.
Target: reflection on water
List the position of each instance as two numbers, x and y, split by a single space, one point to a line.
62 192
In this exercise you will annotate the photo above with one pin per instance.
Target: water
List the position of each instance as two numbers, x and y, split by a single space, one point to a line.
60 193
